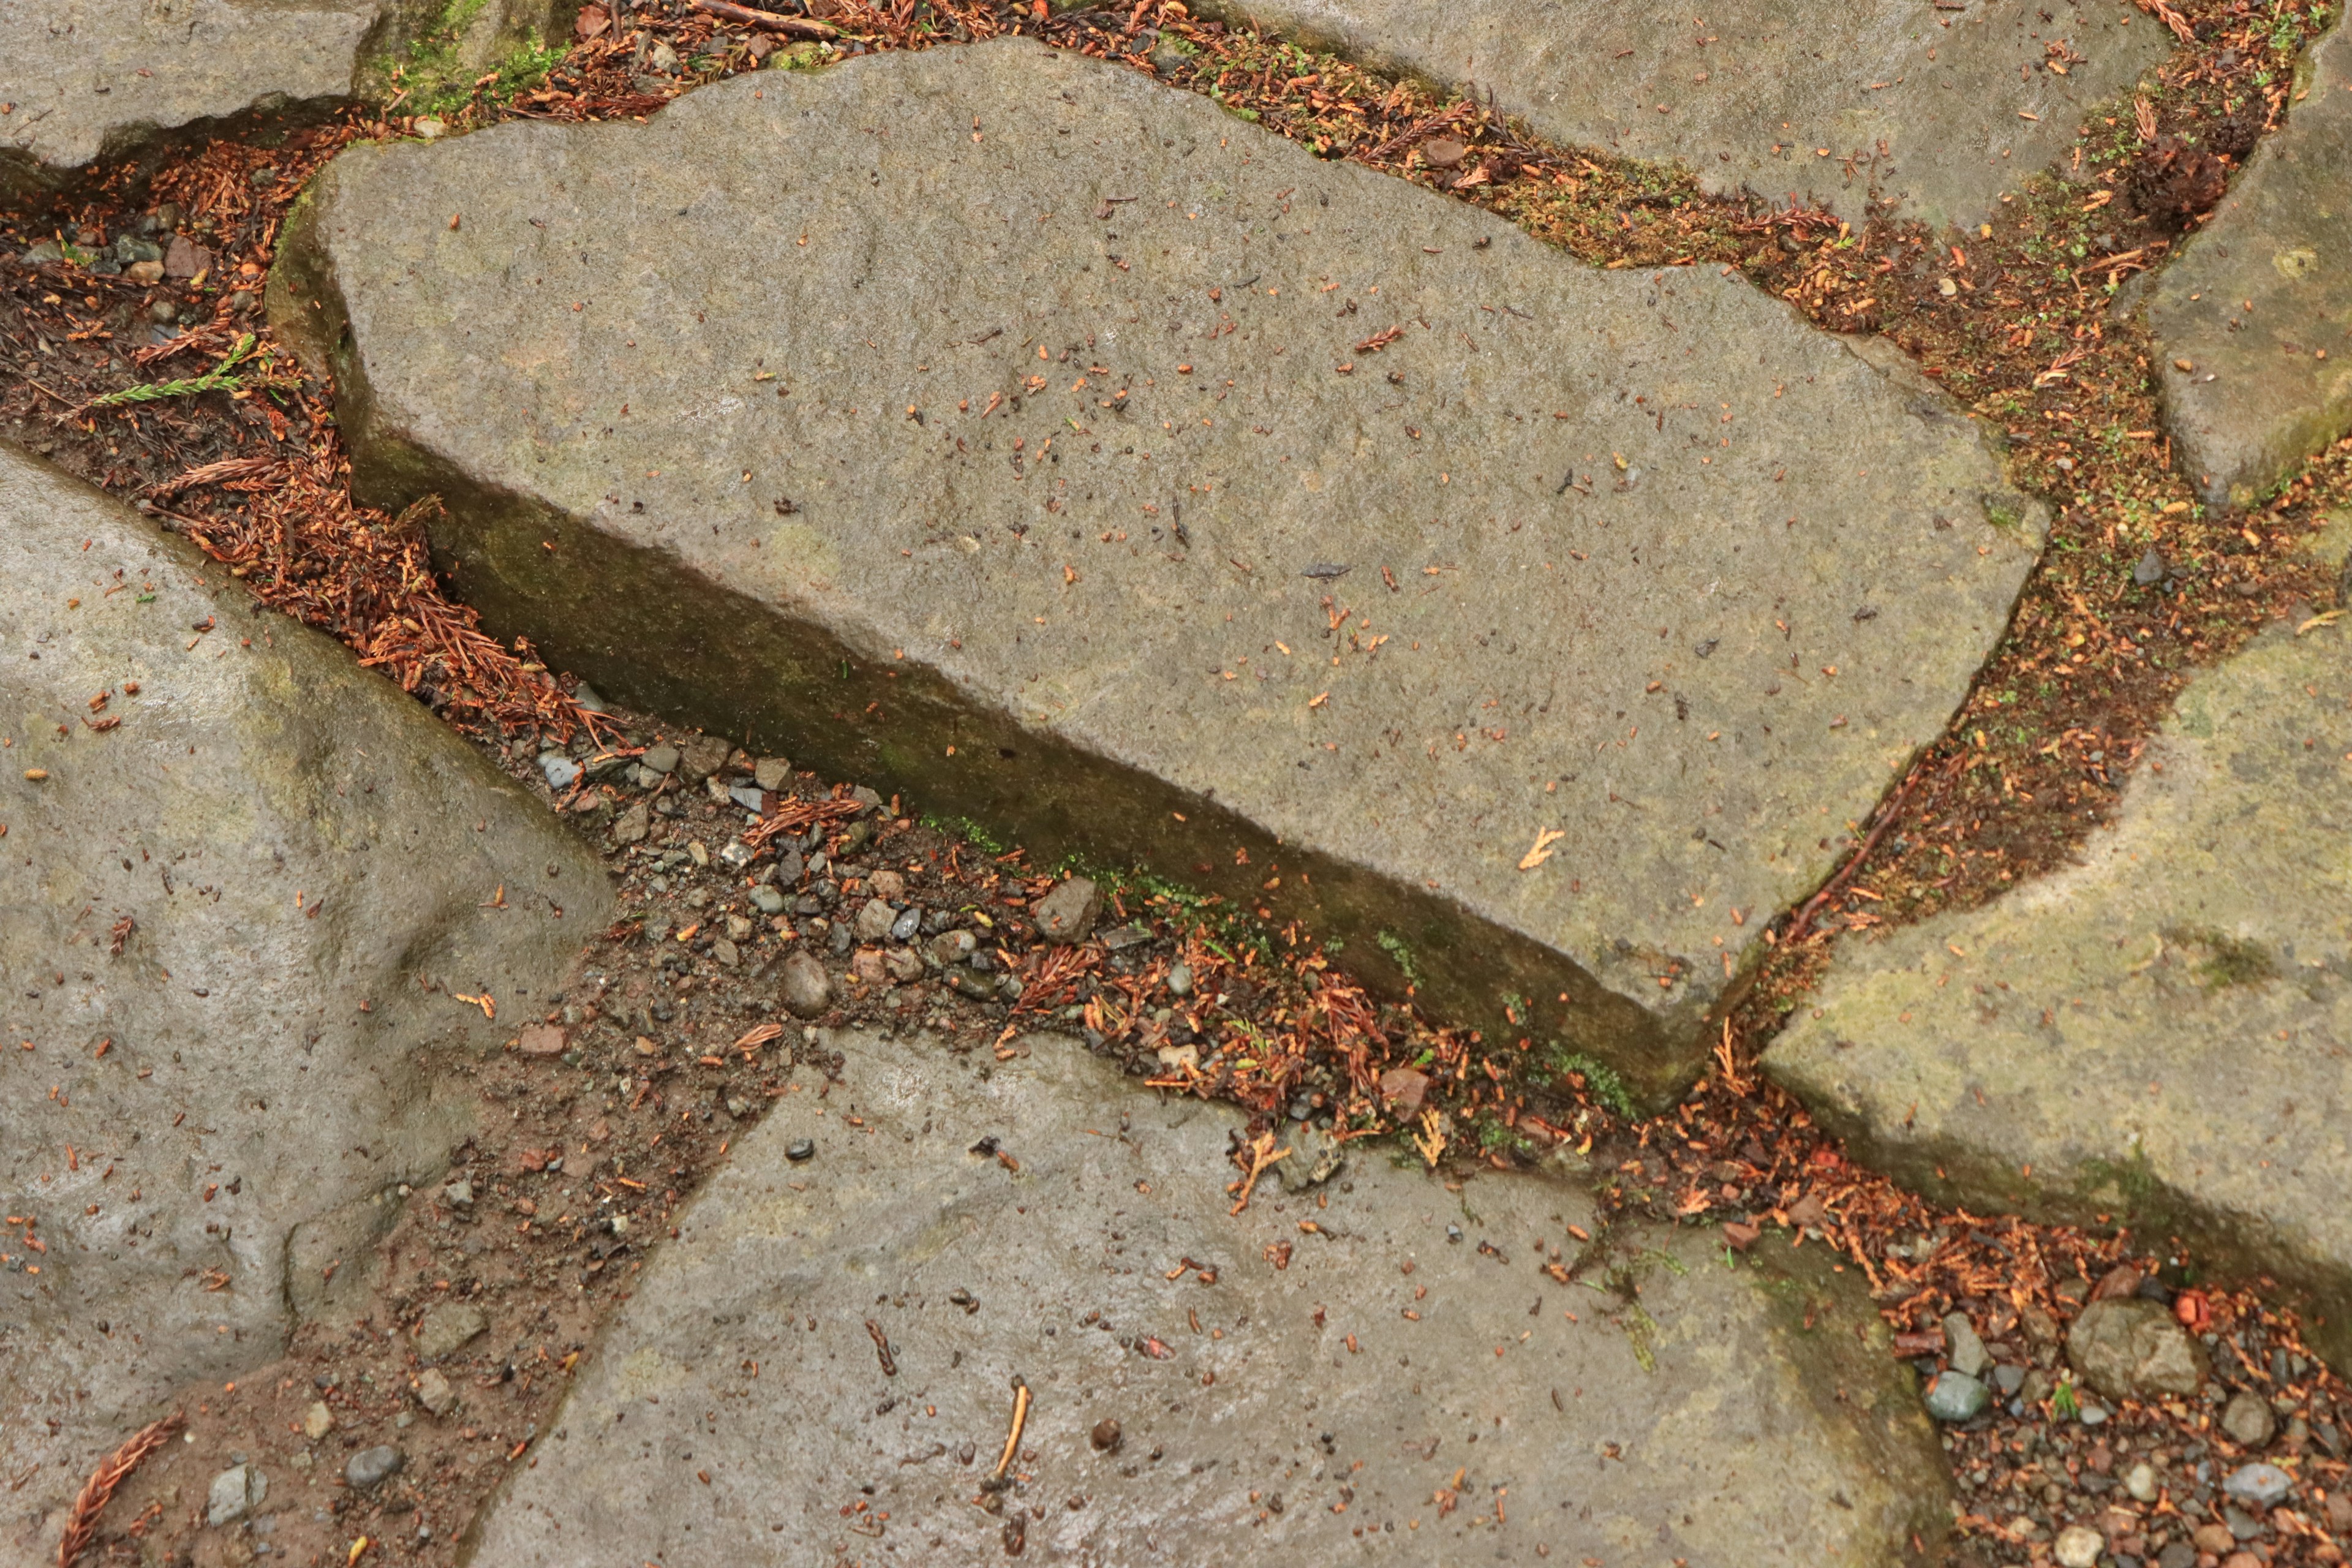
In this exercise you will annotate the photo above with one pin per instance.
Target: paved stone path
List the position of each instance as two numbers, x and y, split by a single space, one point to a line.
1003 426
2159 1033
2254 318
1937 111
225 886
819 1367
1080 457
91 78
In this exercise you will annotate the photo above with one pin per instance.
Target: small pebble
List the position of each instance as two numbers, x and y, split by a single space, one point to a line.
2078 1546
372 1467
2141 1482
2264 1486
1180 979
801 1149
1954 1396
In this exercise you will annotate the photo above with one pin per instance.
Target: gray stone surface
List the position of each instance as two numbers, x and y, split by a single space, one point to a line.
1776 96
2131 1348
277 839
2160 1032
448 1329
2261 293
1129 641
91 78
1744 1413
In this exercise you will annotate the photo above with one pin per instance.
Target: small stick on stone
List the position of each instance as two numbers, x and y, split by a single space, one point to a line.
996 1481
882 1348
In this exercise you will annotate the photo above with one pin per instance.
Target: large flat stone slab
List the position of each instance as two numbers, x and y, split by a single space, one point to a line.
222 913
1408 1387
995 446
85 80
1939 110
2254 316
2161 1033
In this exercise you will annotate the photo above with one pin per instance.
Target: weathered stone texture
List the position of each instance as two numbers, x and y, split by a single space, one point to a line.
2254 318
1288 1396
91 78
1939 110
2159 1033
1076 457
234 862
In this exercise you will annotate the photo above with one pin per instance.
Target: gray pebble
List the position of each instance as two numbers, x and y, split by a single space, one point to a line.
2264 1486
1180 979
1968 1355
561 772
2248 1420
661 759
2150 569
373 1467
234 1490
1954 1397
904 928
801 1149
767 899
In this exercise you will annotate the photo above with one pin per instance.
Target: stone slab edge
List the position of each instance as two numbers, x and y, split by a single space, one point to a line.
491 34
501 548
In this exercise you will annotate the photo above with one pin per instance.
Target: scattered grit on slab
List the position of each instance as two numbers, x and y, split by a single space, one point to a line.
234 860
2255 317
2159 1033
1376 1369
1939 110
1041 441
87 80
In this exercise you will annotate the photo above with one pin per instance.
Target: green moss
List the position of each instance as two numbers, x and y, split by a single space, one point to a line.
803 56
1388 942
1604 1083
2229 960
437 78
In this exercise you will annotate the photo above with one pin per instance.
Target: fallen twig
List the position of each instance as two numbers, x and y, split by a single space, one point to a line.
81 1524
768 21
996 1481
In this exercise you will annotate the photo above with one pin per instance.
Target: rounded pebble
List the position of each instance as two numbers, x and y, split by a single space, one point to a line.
1180 979
801 1149
2078 1546
1954 1396
373 1467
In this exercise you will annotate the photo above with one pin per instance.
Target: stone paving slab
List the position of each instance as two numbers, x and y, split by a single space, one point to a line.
975 420
91 78
220 914
2254 318
2159 1033
1938 109
819 1368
